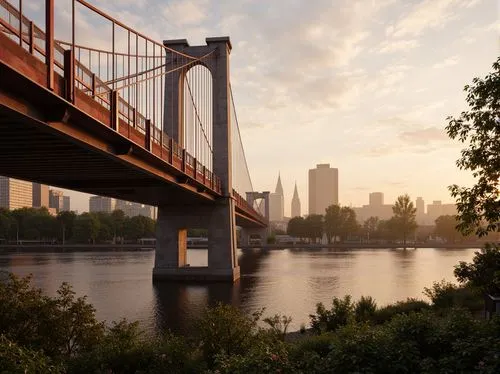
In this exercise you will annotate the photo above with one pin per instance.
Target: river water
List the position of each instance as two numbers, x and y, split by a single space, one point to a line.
289 282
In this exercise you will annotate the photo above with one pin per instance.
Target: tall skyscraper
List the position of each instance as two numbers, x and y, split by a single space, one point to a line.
277 202
295 203
376 198
15 193
420 214
40 195
323 188
101 204
56 199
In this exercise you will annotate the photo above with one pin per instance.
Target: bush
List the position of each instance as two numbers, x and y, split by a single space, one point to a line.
225 330
365 309
388 312
15 359
447 295
330 320
278 324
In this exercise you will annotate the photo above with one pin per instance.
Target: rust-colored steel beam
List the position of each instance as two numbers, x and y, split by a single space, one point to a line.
49 42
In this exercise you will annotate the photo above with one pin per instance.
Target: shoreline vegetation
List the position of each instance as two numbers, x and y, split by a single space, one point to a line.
42 334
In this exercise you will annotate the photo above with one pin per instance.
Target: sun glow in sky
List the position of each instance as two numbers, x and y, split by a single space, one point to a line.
365 86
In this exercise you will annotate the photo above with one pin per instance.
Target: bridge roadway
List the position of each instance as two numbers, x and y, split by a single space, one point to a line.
47 139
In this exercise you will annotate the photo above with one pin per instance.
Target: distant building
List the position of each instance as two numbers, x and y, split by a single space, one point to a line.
323 188
15 193
437 209
277 203
375 208
376 199
131 209
101 204
420 215
56 199
295 203
40 195
66 204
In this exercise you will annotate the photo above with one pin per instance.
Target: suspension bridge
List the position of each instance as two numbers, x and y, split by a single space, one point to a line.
90 104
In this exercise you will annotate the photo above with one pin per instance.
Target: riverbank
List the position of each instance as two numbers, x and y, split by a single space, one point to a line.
59 248
365 246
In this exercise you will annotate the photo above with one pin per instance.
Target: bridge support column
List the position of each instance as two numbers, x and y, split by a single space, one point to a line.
253 233
171 242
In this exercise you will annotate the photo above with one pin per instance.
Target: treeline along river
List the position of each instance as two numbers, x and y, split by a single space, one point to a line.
287 281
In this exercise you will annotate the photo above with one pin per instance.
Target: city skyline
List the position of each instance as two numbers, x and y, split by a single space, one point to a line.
361 94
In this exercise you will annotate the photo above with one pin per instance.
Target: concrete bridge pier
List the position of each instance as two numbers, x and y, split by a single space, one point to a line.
171 242
253 233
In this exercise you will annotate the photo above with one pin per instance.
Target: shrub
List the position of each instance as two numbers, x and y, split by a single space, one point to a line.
225 330
447 295
15 359
279 324
388 312
483 272
330 320
365 309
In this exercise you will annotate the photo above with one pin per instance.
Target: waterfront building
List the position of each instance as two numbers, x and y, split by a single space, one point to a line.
131 209
420 215
437 208
15 193
323 188
40 194
277 203
295 203
375 208
66 204
56 199
101 204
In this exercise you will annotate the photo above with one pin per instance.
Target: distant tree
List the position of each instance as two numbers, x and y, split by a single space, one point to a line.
348 223
66 221
333 222
297 227
446 228
118 221
479 128
370 227
139 227
314 226
6 222
86 228
404 216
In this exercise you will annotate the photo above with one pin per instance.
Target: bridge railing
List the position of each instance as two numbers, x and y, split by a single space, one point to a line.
139 93
242 203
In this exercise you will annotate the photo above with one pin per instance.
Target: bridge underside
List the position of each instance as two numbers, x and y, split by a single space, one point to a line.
47 140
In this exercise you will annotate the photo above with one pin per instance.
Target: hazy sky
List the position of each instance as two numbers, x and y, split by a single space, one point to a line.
363 85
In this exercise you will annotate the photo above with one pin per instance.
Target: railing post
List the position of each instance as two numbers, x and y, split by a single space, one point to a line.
21 23
195 167
161 144
134 118
93 86
171 151
147 135
184 160
32 37
69 75
204 174
49 42
115 114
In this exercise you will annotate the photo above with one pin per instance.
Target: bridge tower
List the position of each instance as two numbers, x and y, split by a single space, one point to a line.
218 216
263 233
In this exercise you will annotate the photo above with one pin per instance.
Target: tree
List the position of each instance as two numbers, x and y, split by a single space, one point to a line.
348 223
370 227
139 227
6 222
479 206
404 216
86 228
66 221
333 222
446 228
296 227
483 272
314 226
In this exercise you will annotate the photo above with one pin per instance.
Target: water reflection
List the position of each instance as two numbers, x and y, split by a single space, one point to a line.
290 282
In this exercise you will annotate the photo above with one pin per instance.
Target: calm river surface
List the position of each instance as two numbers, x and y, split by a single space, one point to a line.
290 282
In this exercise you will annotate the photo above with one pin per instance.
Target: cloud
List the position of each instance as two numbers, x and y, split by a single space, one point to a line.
186 12
388 46
450 61
424 136
429 14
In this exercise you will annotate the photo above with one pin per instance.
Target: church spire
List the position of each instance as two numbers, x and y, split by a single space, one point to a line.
279 186
295 192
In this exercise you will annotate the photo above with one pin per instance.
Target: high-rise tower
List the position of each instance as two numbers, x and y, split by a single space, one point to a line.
323 188
295 203
277 202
